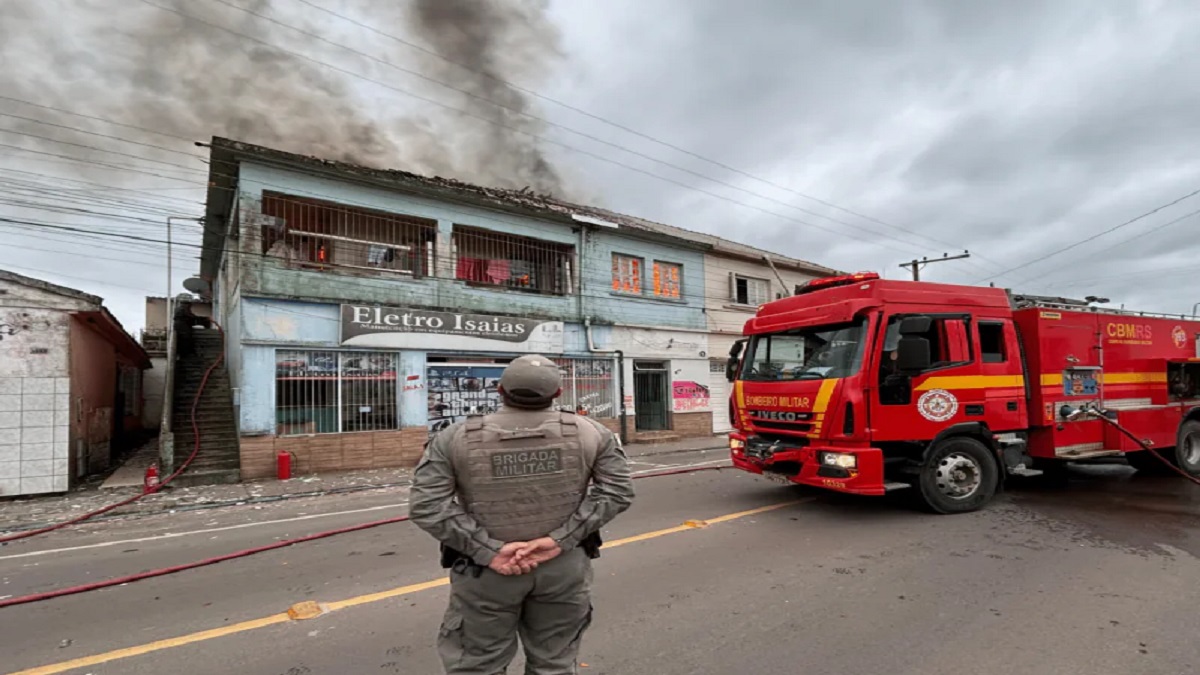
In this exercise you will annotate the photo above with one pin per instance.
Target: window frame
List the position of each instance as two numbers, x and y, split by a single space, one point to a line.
968 331
1002 340
766 295
339 380
678 297
617 258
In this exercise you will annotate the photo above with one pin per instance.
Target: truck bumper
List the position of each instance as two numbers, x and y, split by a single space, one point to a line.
803 465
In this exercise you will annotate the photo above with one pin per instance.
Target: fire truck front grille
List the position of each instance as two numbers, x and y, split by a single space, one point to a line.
795 427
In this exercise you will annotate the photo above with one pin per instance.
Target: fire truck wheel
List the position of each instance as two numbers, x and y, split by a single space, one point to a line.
1187 447
959 475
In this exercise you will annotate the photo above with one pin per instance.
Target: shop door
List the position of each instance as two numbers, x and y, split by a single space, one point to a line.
651 400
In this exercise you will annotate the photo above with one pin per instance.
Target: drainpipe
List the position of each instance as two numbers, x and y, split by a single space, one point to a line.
587 325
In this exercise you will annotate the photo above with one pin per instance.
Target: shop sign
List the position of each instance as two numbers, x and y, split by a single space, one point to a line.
372 325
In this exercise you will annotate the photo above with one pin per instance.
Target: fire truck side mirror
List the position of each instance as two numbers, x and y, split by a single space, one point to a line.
731 366
913 354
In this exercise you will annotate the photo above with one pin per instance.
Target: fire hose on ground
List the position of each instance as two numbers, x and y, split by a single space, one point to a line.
150 574
149 490
1101 415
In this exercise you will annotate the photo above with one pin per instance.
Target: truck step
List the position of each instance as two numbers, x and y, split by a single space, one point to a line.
1027 473
892 486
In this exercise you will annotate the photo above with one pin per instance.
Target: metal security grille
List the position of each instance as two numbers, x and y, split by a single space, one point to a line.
652 408
320 235
325 392
589 386
510 261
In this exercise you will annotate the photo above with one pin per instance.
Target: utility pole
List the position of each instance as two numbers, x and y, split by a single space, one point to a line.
916 265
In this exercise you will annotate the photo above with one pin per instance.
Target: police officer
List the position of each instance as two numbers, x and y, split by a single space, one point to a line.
507 496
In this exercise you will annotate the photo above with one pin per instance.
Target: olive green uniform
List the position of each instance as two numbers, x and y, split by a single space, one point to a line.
473 492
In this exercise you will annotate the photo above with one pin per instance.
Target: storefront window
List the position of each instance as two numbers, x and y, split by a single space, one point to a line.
457 390
589 386
326 392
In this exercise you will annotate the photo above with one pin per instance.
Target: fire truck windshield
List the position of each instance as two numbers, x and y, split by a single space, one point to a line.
805 354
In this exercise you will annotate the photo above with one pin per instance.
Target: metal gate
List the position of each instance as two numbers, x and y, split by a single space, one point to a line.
651 400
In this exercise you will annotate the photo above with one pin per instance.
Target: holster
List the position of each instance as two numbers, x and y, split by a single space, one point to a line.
459 562
591 545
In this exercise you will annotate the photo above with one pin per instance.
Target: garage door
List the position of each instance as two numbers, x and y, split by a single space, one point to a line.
719 393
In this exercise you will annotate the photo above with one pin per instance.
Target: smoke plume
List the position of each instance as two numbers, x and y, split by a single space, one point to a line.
155 68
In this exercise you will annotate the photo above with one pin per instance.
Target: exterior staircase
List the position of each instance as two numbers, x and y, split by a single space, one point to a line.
218 460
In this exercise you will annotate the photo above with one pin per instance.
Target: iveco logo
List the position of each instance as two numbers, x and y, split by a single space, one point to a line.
780 415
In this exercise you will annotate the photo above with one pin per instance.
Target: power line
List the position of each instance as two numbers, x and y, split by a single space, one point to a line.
616 125
1094 236
149 198
269 184
547 122
1119 243
518 130
111 152
96 162
94 133
92 117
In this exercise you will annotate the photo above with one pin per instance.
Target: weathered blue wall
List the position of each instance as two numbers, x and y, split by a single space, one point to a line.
268 325
269 279
606 305
594 258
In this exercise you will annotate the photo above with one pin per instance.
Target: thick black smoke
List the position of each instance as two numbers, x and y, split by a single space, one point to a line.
128 61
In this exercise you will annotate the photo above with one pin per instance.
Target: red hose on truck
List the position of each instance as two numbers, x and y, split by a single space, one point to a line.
149 490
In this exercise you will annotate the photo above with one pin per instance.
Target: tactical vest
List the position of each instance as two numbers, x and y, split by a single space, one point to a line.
522 483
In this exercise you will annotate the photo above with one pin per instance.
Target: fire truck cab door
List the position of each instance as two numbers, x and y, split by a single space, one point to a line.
917 404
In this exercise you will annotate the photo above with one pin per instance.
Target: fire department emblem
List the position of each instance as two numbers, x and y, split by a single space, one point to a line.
937 405
1179 336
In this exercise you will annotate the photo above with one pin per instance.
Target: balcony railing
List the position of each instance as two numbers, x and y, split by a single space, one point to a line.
303 233
313 234
521 263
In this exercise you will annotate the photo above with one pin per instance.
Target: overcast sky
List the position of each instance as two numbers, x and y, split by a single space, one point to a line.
1013 129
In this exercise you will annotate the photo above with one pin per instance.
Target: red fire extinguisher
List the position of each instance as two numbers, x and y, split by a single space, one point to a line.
150 482
283 465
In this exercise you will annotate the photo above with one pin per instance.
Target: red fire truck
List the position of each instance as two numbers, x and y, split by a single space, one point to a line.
865 385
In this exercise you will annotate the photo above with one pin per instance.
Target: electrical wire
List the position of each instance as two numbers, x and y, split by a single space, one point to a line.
150 489
541 120
1081 242
517 130
624 128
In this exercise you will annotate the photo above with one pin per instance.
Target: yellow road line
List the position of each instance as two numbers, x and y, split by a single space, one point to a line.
274 619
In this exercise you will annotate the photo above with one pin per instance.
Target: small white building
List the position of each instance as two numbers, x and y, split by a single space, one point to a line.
70 386
740 278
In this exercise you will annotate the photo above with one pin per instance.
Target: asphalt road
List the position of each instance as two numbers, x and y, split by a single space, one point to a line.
1099 577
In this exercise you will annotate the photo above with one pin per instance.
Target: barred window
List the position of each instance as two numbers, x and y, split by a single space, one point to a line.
327 236
325 392
512 261
667 280
589 386
627 274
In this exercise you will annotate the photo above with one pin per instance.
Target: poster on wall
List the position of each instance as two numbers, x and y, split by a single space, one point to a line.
689 396
456 391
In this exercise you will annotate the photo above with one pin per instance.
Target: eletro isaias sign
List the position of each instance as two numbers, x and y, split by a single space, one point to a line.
372 325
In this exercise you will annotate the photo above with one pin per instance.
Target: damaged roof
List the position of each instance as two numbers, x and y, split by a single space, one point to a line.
15 278
109 325
227 153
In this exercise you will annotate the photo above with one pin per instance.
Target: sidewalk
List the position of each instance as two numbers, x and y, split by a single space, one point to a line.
29 512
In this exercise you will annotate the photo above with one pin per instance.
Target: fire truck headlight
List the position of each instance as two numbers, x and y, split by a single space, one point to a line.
736 445
841 460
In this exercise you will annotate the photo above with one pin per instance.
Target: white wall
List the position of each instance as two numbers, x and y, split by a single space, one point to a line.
726 318
35 395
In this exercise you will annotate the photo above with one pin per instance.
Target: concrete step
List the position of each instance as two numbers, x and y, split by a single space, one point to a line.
208 477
